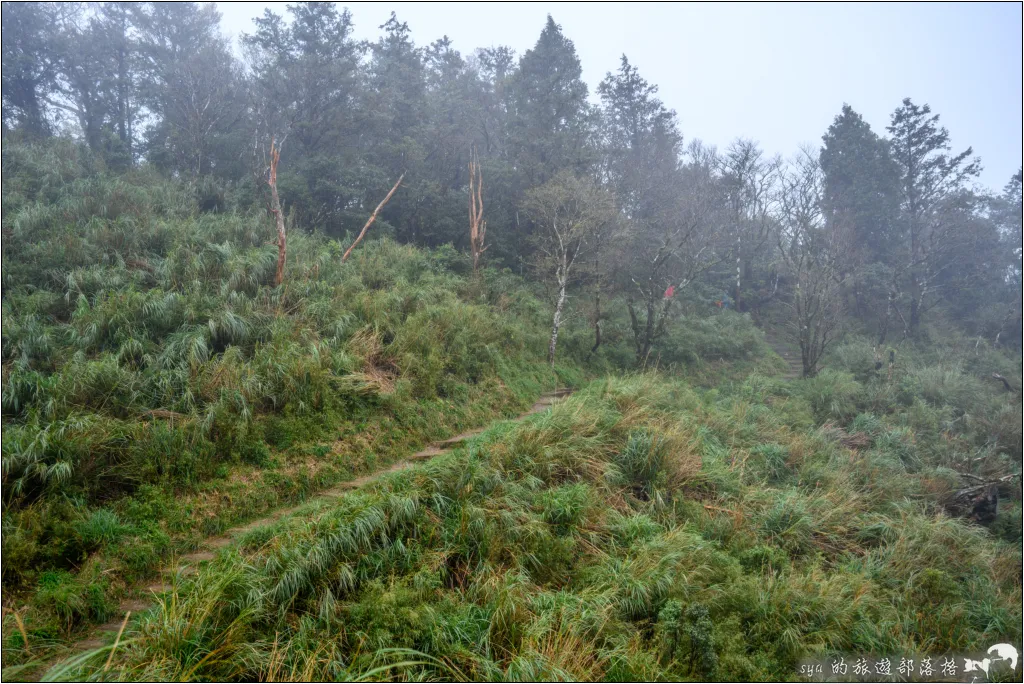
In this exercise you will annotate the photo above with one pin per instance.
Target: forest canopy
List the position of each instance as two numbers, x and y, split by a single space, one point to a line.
888 228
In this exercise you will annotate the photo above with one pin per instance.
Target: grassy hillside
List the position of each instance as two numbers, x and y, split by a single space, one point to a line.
704 520
638 531
157 388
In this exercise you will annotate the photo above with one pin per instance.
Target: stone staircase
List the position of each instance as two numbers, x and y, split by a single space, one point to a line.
789 352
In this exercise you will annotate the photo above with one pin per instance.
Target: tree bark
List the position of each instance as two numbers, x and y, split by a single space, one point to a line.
738 298
373 217
275 208
557 321
477 226
916 262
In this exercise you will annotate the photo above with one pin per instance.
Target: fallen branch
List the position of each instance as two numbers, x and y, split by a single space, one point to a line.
1006 383
737 516
979 502
373 217
984 484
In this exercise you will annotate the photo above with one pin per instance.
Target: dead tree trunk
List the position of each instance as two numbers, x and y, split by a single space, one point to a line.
563 281
1006 383
477 225
738 298
275 209
373 217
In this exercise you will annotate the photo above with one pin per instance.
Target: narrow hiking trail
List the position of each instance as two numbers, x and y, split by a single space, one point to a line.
789 352
188 564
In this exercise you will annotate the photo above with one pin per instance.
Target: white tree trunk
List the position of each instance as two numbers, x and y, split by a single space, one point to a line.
557 322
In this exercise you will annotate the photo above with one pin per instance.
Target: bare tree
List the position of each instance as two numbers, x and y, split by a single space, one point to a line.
672 242
373 217
812 251
604 259
748 178
568 211
477 224
275 209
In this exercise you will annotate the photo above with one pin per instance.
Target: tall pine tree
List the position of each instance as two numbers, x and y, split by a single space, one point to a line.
929 177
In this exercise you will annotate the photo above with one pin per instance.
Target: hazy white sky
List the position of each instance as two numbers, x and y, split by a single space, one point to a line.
776 73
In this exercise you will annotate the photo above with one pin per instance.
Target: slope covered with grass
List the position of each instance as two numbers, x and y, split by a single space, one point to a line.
157 387
707 520
640 530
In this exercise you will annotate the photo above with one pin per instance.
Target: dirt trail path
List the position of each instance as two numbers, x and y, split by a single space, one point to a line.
189 563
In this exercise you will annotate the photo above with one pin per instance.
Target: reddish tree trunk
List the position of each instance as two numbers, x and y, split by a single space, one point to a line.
477 226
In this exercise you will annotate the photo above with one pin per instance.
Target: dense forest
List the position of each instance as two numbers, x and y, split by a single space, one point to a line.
235 276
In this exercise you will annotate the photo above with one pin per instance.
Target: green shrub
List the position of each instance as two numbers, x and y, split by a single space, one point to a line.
564 508
868 424
899 443
727 335
640 463
788 524
941 386
102 527
703 659
1008 524
630 529
833 395
773 459
857 357
70 600
760 558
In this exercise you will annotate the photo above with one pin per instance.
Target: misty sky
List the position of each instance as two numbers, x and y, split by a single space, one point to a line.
776 73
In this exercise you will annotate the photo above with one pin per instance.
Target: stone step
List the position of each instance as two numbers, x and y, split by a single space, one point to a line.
134 605
427 453
114 626
89 644
453 441
198 557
